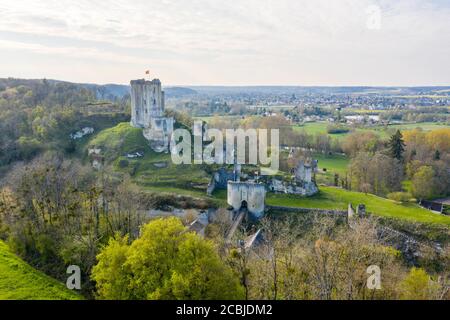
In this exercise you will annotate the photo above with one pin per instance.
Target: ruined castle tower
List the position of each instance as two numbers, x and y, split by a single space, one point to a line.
303 172
147 112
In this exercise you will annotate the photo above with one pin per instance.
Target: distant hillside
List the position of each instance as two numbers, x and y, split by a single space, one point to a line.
118 91
103 92
20 281
178 92
111 91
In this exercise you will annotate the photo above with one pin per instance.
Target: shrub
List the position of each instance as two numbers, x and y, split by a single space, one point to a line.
123 163
400 196
336 129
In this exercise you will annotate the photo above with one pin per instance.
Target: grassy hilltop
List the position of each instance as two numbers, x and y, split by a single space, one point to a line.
154 171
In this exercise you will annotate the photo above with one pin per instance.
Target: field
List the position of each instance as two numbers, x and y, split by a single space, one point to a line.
335 163
383 131
19 281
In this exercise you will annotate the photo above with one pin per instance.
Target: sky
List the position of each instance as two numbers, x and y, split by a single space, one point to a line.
235 42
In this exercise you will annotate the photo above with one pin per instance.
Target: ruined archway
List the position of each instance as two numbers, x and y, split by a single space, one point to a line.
244 205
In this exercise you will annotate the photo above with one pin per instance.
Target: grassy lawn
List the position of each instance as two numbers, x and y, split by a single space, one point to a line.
20 281
335 163
335 198
313 127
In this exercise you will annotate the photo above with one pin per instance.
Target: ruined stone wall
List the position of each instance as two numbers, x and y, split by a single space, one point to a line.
303 172
289 187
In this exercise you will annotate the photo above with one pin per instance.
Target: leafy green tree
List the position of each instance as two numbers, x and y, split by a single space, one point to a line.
110 275
418 286
166 262
397 146
423 183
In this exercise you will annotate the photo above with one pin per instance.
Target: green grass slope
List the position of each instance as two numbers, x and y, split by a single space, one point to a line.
20 281
335 198
147 172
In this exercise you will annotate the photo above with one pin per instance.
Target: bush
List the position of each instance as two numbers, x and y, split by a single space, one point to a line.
28 147
400 196
336 129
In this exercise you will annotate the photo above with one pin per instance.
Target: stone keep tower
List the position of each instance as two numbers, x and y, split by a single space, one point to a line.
147 101
147 112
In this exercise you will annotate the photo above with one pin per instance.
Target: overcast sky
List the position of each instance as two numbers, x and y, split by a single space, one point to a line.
235 42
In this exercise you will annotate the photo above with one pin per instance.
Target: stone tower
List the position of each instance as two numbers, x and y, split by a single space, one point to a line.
147 101
147 112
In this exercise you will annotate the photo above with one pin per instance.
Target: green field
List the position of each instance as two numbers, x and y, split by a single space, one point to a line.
20 281
335 163
383 131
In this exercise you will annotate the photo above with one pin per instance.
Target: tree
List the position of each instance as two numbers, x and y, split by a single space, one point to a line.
418 286
166 262
423 183
358 141
397 146
377 173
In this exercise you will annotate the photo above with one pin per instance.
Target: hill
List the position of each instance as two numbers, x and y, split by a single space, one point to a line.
20 281
153 171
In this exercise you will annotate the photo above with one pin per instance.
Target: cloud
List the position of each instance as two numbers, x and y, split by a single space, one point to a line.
245 42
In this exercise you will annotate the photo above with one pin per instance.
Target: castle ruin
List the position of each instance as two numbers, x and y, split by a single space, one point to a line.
147 112
247 195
